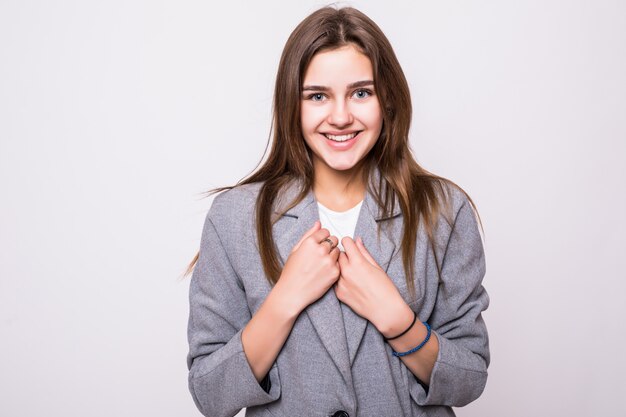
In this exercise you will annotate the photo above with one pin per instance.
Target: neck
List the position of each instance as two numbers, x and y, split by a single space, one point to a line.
339 190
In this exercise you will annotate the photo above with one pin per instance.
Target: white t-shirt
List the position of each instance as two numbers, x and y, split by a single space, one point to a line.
339 223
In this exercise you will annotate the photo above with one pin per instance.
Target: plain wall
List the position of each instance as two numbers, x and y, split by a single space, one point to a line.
115 116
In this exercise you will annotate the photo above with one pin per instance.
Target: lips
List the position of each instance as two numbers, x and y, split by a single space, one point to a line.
341 138
341 145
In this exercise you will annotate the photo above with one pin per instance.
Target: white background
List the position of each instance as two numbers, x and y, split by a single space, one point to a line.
115 116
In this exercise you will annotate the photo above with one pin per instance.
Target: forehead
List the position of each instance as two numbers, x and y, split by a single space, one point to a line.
338 67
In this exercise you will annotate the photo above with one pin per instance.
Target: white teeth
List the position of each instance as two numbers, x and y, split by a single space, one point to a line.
341 138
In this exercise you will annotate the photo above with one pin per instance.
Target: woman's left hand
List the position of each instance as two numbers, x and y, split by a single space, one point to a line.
365 287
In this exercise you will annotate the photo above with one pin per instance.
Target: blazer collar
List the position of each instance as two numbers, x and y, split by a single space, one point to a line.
339 328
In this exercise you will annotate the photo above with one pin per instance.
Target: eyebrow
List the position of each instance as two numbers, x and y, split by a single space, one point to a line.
324 88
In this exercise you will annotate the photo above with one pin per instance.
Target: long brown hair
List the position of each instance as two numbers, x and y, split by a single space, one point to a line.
420 193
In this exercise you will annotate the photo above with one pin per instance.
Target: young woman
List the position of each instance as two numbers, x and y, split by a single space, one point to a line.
375 310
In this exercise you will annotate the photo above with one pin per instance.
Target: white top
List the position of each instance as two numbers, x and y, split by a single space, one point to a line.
339 223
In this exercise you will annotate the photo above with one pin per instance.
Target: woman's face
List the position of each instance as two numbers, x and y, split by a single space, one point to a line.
340 113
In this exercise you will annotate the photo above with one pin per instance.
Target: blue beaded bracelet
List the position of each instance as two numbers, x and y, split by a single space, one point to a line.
418 347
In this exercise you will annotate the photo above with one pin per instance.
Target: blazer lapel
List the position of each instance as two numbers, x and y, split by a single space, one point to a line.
381 250
324 313
338 326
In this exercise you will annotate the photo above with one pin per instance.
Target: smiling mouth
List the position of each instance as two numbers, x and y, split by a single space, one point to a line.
341 138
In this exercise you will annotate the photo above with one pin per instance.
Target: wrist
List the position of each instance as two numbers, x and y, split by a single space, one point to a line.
397 322
285 304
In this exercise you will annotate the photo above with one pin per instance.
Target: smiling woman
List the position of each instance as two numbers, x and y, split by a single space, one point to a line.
282 321
341 119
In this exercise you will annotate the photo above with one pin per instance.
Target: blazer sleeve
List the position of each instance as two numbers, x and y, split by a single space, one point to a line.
460 372
221 381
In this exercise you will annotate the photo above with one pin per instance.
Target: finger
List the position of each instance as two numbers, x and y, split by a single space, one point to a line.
334 254
351 249
343 260
319 235
334 240
364 252
308 233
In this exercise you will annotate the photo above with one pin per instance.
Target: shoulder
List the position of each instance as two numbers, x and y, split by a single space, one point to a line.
234 206
463 218
459 199
237 196
451 197
457 210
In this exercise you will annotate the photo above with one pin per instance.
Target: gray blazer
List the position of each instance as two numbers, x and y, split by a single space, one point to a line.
333 359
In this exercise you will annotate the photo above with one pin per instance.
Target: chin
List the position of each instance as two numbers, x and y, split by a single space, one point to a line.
342 166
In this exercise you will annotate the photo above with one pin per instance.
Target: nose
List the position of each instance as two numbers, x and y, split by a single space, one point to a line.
340 114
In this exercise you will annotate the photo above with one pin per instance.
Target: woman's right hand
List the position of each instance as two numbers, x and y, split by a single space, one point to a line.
311 268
